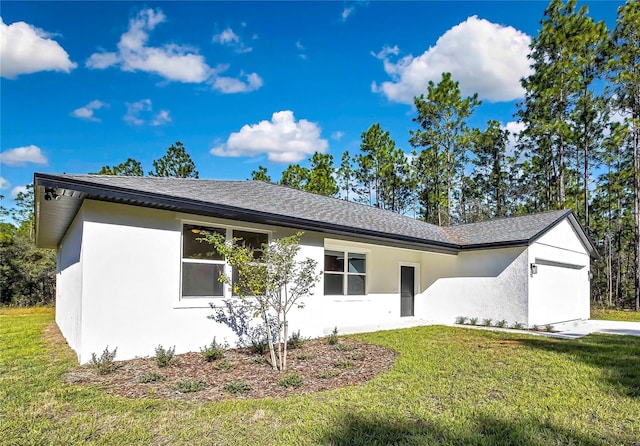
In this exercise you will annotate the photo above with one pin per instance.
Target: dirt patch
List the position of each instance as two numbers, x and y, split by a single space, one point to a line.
241 374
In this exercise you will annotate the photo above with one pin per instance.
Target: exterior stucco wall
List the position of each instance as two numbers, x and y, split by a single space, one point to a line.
490 283
69 284
381 303
120 271
560 290
131 274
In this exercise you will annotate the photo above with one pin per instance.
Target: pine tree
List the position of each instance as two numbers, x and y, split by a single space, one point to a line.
444 139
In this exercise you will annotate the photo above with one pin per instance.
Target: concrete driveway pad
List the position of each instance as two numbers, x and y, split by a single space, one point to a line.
577 329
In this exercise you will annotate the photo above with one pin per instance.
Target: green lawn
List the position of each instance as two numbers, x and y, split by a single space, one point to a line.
615 315
448 386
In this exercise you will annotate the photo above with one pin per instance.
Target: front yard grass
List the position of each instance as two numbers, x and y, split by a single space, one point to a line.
448 386
615 315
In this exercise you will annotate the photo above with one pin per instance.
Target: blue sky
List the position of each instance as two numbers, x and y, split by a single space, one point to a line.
85 84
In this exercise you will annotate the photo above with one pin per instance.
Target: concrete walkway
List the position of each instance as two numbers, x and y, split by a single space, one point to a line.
566 330
578 329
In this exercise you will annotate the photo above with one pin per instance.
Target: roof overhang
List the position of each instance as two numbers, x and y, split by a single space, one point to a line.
58 200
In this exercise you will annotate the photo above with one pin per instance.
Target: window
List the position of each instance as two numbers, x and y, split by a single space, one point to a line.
202 264
252 240
342 277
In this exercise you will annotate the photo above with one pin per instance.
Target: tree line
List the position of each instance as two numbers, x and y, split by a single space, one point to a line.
578 149
27 273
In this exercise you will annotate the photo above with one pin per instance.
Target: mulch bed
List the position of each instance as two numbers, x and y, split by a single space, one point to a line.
320 365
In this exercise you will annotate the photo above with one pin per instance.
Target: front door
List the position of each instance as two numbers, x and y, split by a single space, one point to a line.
407 290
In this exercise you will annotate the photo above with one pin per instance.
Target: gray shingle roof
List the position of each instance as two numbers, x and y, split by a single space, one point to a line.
502 230
273 204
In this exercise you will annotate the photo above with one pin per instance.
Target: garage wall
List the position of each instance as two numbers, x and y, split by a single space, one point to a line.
559 291
490 283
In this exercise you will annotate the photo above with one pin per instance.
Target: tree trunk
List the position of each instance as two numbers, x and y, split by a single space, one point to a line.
636 195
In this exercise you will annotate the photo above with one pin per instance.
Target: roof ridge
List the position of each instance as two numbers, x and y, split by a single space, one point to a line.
509 217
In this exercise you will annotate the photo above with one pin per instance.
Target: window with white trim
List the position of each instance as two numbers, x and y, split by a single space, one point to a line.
344 273
202 264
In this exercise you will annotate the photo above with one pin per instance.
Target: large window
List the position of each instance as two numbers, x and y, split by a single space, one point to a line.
344 273
202 264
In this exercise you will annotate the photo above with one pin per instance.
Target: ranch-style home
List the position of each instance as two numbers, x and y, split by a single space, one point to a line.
131 275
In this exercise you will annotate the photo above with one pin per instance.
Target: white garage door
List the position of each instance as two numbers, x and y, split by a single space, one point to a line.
558 294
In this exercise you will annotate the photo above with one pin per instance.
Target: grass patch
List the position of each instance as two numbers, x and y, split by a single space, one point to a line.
448 386
615 315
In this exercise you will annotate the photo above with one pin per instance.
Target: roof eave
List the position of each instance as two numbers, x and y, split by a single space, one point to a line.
146 199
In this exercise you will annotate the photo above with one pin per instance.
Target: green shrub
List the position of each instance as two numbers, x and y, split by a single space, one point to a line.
460 320
548 328
328 373
535 328
517 326
501 324
344 365
164 357
150 378
295 340
342 347
304 357
487 322
104 364
258 359
473 321
213 351
332 339
224 365
293 380
189 385
236 387
258 347
356 356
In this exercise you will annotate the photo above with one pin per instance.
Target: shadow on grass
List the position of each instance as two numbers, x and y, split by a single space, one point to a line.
354 430
618 357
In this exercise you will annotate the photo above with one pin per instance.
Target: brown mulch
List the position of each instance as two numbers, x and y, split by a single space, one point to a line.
321 367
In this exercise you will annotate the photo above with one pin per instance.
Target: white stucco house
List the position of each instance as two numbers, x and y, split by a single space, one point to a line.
129 273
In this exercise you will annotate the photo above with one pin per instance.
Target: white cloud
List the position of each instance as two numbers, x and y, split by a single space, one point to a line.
234 85
19 156
283 139
141 113
484 57
16 190
346 12
230 39
514 128
25 49
301 51
337 135
4 184
173 62
161 118
86 112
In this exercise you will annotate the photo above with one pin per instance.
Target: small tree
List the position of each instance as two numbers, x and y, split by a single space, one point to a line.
272 281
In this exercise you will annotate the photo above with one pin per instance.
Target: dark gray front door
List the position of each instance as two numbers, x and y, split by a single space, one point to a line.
407 286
